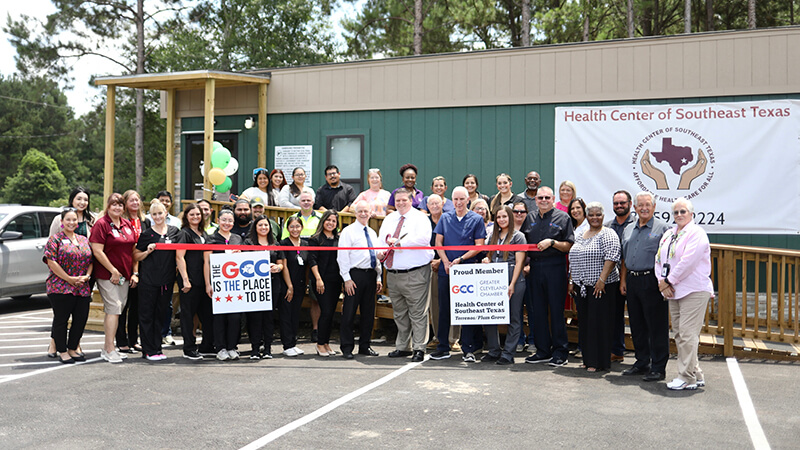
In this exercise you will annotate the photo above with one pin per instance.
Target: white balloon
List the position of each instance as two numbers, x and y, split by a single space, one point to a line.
232 167
202 168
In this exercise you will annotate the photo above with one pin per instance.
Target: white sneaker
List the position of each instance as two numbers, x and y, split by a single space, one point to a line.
233 354
121 355
468 357
299 351
112 357
701 383
678 385
167 340
290 352
158 357
223 355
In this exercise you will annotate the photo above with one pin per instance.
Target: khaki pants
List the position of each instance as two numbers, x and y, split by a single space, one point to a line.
687 319
409 294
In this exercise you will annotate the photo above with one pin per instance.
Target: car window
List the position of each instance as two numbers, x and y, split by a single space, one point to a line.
46 218
27 224
2 216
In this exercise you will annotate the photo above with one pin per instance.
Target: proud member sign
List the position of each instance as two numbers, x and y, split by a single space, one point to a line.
479 294
241 282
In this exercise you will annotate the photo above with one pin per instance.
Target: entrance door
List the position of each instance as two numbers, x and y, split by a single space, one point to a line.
193 180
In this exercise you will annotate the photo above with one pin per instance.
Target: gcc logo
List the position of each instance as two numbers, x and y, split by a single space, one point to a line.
248 269
464 288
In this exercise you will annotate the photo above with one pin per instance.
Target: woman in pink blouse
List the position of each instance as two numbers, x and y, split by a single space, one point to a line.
376 195
683 269
69 257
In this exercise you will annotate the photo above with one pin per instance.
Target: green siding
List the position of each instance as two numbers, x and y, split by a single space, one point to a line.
451 142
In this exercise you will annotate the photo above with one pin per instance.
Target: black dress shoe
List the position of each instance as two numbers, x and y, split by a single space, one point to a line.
419 356
636 371
67 361
79 358
348 356
654 376
398 353
368 352
490 358
314 335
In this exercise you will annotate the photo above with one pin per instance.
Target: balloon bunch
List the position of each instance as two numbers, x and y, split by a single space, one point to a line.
223 166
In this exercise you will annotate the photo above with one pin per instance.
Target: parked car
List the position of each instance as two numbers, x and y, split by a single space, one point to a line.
23 234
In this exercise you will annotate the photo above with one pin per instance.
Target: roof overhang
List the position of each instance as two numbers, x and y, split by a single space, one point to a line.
195 79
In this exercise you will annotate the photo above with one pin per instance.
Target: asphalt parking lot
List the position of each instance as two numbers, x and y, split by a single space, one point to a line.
315 402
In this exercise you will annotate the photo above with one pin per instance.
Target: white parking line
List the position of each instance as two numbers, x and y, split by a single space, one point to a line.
329 407
23 326
748 410
49 369
83 343
21 333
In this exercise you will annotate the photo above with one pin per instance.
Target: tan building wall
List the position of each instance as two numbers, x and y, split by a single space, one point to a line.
695 65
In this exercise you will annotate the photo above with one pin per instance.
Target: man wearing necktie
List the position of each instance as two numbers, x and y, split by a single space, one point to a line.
362 281
409 273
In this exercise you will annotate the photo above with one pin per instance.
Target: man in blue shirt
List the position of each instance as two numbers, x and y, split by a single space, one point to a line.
458 227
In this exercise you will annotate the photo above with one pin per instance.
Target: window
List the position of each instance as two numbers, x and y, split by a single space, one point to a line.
193 187
27 224
347 153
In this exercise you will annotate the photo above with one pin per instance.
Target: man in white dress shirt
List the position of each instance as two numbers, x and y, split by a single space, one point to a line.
361 272
409 273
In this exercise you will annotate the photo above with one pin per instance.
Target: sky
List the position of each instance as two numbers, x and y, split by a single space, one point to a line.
82 97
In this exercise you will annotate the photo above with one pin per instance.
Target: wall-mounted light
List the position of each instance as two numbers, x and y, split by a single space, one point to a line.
249 122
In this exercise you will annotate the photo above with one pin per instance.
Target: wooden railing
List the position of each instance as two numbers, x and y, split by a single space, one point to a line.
757 299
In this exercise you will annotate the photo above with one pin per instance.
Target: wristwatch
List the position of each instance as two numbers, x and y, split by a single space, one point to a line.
135 273
552 242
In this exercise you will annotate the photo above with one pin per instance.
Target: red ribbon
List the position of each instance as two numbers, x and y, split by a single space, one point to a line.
483 248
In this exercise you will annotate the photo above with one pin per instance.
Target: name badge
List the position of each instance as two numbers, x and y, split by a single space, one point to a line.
168 241
65 242
127 231
300 260
115 233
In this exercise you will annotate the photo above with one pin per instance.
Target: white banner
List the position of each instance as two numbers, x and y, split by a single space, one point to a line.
479 294
288 157
241 282
737 162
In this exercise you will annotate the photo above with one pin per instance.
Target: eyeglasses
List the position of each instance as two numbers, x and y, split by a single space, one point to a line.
331 174
69 208
517 211
543 197
680 212
621 203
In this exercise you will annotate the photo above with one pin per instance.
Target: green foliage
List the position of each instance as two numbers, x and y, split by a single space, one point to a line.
38 180
234 35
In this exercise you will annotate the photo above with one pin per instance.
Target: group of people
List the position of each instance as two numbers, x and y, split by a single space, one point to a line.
573 255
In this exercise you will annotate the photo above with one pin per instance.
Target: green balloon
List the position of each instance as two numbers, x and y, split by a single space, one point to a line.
220 158
216 145
225 186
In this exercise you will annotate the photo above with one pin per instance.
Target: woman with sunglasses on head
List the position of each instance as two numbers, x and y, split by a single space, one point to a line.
260 185
290 304
227 327
112 241
327 280
128 330
79 201
156 279
290 194
260 325
683 270
192 284
69 257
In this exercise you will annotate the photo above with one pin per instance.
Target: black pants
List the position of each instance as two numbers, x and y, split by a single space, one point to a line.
548 284
128 328
596 325
259 329
227 328
364 300
327 306
64 306
649 318
290 315
196 302
153 302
